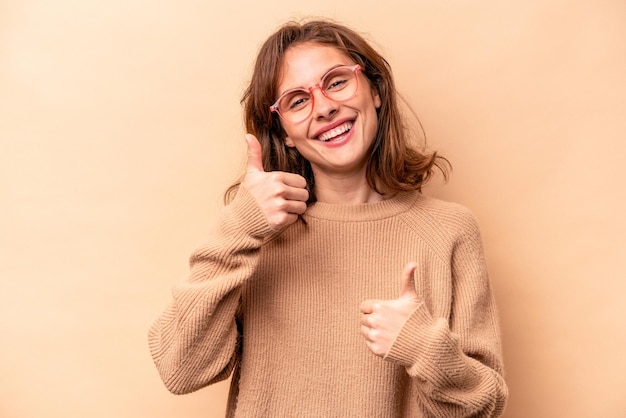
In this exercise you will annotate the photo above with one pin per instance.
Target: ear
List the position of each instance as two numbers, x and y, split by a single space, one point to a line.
376 97
289 142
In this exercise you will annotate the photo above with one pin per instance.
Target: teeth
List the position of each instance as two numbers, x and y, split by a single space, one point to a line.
328 135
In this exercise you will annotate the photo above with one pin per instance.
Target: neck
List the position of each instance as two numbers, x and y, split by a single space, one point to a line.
345 190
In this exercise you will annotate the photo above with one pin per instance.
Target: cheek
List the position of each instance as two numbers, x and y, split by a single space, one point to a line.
295 135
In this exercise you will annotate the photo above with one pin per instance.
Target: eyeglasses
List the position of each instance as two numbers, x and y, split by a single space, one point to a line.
339 84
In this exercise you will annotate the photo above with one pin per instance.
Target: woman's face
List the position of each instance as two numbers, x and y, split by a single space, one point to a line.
336 137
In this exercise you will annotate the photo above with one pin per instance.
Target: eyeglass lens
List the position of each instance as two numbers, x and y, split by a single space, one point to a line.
338 85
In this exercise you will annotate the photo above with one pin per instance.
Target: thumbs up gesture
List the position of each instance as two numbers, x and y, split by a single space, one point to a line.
281 196
382 320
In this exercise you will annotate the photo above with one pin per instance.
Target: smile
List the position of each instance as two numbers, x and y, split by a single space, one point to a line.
335 132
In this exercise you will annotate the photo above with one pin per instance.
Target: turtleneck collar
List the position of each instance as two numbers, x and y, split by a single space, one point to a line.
399 203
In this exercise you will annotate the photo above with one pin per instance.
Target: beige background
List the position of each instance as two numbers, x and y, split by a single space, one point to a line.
120 127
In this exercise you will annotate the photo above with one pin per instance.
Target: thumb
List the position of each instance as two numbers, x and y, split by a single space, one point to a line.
255 160
408 281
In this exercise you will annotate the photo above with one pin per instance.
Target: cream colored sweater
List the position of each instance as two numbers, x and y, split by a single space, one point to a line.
280 310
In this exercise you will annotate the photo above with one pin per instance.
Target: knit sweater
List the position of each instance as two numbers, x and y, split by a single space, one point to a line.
279 310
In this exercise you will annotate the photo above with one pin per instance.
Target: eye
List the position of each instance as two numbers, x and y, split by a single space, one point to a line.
336 83
294 101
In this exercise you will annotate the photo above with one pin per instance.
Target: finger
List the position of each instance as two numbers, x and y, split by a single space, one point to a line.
375 348
365 331
367 306
294 180
367 321
294 207
408 281
282 220
255 154
296 194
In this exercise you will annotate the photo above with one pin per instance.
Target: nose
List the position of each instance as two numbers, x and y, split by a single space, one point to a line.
323 107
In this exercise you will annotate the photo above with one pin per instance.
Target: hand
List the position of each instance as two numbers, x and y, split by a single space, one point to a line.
382 320
281 196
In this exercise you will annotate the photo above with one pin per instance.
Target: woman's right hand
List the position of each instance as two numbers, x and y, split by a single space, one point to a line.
282 196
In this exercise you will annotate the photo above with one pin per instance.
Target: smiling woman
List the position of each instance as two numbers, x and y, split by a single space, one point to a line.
336 137
318 317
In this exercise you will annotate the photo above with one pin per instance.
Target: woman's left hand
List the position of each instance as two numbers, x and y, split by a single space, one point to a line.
382 320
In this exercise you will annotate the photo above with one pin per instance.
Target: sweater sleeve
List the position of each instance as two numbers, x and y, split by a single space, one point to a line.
194 340
457 361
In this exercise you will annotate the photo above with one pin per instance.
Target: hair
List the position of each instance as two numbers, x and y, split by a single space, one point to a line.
395 163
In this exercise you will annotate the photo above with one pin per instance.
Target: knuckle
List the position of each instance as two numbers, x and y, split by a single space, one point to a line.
276 176
278 190
281 206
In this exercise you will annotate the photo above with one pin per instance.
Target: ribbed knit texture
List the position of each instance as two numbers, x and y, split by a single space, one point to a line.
281 310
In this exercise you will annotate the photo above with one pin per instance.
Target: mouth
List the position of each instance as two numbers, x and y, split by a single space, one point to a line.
336 132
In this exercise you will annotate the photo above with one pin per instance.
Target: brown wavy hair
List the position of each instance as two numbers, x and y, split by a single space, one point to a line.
395 163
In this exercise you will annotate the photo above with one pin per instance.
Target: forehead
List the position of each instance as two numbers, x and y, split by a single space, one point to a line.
304 64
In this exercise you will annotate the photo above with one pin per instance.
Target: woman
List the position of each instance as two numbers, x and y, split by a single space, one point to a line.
300 293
